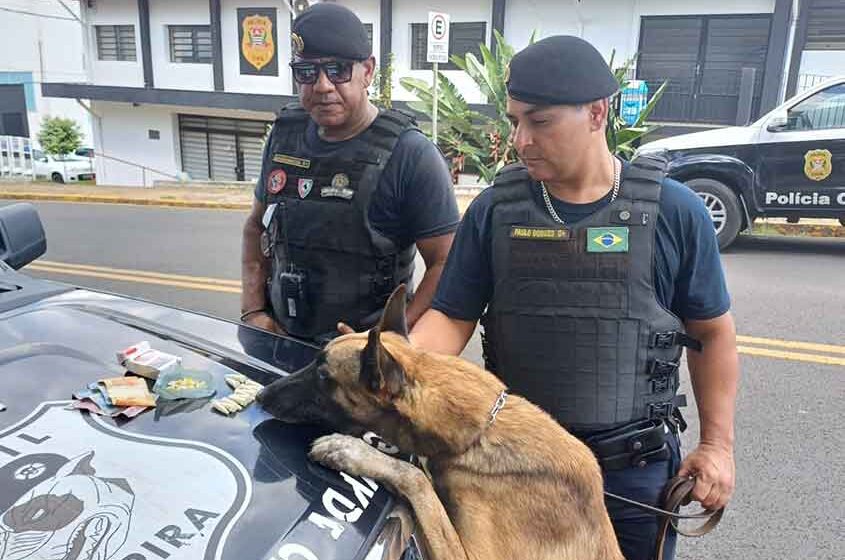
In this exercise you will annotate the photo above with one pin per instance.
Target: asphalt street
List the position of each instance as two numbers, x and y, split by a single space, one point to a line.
788 302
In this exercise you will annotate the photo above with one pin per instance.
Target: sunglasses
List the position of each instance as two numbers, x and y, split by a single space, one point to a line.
337 71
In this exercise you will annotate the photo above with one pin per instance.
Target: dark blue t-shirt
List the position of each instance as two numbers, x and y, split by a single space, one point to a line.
688 277
414 198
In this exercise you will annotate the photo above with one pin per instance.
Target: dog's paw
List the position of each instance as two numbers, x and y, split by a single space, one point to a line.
349 454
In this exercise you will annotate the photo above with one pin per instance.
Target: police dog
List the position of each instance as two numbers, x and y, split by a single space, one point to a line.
503 486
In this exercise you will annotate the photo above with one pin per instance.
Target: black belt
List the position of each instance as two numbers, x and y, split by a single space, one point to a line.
632 445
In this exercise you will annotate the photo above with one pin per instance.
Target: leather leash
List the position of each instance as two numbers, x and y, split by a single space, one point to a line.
676 493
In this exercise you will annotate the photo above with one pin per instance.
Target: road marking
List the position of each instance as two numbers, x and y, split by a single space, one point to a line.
234 287
142 273
792 356
175 281
791 344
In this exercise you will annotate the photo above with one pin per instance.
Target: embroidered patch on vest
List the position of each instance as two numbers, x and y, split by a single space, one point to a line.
337 192
607 240
340 180
276 181
540 234
291 160
304 187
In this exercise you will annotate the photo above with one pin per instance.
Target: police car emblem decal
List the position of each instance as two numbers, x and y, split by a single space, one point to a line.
74 486
303 186
607 240
818 164
276 181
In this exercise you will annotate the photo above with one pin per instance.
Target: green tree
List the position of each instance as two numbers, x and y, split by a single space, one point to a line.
59 136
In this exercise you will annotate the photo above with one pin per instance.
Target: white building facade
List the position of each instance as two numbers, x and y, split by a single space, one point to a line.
40 41
173 91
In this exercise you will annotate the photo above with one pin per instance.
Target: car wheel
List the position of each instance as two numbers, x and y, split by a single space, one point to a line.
723 206
57 178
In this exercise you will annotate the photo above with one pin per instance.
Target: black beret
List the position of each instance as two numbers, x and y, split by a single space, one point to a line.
330 30
560 70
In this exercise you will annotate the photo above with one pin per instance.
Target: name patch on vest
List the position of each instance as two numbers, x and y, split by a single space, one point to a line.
337 192
540 234
291 160
607 240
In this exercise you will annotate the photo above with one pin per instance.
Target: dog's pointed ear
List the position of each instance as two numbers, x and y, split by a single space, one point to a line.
393 318
380 372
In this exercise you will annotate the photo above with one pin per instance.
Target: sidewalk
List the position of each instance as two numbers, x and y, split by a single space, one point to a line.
239 197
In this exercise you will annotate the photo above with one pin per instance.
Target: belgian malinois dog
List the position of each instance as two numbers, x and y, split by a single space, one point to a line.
507 482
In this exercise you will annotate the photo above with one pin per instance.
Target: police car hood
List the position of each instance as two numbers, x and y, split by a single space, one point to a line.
179 481
716 138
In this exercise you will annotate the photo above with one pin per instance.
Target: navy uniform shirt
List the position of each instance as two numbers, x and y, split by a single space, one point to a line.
688 274
414 198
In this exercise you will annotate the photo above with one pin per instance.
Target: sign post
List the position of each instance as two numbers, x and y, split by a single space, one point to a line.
437 52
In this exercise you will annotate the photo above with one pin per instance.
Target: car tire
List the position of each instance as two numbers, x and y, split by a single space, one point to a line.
57 177
723 206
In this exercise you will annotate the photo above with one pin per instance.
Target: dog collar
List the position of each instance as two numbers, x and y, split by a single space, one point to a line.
498 406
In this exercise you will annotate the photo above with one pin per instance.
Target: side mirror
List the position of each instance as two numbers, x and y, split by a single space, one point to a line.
22 238
778 123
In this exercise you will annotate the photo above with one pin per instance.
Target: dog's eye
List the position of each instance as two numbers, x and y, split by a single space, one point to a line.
323 375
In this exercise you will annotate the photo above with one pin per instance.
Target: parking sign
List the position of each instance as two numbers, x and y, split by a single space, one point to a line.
438 37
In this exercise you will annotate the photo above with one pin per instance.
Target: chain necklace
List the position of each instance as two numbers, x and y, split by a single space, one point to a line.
617 175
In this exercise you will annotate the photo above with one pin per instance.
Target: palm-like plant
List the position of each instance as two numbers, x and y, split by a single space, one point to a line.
621 136
467 135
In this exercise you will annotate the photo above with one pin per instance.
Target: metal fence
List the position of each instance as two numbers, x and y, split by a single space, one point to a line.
15 158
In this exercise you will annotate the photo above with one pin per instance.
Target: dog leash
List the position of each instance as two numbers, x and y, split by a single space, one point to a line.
676 493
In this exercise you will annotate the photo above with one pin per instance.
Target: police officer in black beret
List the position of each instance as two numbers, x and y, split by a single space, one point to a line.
346 196
590 276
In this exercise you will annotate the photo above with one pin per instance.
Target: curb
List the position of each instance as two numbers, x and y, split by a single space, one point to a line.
124 200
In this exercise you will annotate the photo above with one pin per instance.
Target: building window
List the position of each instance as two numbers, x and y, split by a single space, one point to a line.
464 37
220 149
190 43
116 42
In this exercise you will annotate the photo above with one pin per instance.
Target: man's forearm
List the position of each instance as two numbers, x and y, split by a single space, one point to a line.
254 270
424 294
715 374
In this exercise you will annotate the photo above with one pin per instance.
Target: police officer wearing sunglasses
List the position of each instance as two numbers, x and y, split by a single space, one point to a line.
346 196
590 275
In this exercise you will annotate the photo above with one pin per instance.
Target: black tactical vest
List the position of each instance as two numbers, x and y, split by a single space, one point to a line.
321 239
574 324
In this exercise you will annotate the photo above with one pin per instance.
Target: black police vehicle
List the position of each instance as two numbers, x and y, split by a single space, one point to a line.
788 164
178 481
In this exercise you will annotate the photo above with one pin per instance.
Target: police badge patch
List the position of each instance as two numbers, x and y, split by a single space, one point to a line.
304 187
818 164
257 45
276 181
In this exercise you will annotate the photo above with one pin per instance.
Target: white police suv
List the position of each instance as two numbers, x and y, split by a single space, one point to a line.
790 163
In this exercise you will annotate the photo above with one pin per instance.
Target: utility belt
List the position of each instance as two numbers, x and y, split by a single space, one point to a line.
639 443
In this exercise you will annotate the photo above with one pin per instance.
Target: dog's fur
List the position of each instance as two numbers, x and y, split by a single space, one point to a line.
521 487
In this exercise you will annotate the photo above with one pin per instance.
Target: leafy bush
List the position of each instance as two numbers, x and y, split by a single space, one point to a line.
59 136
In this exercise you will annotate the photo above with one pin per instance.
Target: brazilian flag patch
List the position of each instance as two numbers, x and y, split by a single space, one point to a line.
607 240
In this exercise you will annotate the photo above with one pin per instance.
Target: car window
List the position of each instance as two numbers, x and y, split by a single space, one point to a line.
824 110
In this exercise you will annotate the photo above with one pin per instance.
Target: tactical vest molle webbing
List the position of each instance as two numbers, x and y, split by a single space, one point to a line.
574 324
321 227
